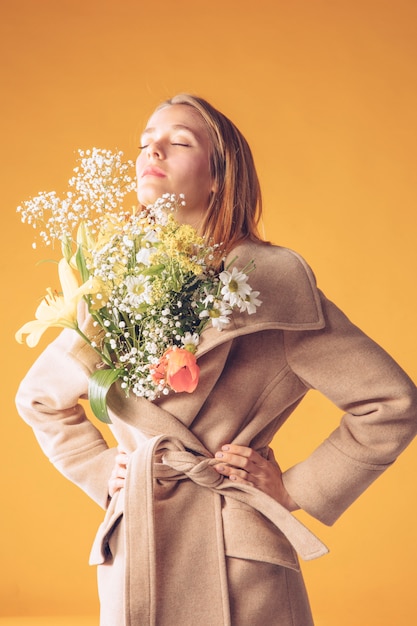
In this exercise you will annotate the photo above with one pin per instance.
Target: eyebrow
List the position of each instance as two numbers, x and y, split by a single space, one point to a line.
150 130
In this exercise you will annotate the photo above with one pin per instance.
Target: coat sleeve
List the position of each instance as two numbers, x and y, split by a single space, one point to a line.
380 405
48 399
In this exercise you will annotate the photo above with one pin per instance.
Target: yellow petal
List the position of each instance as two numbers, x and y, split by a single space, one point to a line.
34 331
67 279
54 310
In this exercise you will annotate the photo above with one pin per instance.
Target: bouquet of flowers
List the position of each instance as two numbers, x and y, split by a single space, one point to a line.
150 283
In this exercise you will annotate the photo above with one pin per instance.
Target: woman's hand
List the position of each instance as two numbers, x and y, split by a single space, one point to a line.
118 475
244 465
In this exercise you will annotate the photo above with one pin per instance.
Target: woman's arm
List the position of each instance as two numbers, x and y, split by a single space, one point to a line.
48 400
380 420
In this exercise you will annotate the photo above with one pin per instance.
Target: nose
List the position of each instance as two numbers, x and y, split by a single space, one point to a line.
154 150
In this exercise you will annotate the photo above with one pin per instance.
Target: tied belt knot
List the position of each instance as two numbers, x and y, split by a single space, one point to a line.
182 464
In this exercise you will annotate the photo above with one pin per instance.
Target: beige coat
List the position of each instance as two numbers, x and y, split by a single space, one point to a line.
180 544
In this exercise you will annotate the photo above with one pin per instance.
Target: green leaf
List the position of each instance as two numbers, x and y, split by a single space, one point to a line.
66 247
98 386
42 261
81 264
153 269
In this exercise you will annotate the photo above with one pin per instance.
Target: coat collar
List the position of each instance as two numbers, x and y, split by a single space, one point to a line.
287 289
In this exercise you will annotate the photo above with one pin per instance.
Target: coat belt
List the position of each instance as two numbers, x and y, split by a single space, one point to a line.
165 458
181 462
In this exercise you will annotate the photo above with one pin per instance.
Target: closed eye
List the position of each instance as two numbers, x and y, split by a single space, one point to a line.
184 145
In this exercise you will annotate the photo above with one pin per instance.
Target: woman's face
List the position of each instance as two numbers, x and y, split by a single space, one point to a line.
174 158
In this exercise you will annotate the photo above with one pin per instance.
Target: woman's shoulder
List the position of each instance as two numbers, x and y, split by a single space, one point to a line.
275 264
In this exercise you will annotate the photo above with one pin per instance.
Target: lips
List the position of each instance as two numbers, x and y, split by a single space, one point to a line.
153 171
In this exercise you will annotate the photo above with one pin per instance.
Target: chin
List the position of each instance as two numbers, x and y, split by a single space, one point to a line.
149 196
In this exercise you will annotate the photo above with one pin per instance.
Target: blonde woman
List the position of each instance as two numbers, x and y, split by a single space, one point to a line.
198 526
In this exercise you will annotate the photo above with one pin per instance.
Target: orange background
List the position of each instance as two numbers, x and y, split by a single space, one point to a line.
326 93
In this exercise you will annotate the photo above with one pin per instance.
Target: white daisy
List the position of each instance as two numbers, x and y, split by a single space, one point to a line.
138 290
250 303
218 314
190 341
235 287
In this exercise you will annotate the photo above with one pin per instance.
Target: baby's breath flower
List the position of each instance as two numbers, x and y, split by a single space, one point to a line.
102 180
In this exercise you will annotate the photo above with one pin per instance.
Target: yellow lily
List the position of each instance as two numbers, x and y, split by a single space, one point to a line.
86 241
56 310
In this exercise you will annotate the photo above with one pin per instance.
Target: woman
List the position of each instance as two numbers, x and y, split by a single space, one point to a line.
198 526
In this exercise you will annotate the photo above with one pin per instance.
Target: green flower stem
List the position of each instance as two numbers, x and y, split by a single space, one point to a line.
249 267
83 336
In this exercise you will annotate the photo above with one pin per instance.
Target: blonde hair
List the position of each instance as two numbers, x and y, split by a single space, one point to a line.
235 207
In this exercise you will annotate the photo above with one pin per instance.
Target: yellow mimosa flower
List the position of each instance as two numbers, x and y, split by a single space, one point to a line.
56 310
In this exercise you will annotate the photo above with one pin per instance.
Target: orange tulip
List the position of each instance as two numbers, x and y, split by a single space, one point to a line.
179 369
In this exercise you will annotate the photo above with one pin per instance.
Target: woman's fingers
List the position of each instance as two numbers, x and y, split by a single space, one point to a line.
118 475
115 484
239 476
244 465
122 458
244 458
